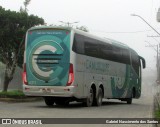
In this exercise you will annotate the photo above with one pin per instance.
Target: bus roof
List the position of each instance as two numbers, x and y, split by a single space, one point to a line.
49 27
106 40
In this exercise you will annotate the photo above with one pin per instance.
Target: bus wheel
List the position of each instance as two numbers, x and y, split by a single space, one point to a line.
49 101
99 97
62 102
129 100
89 100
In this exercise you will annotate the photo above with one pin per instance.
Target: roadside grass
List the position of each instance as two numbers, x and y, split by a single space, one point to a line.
157 113
17 96
12 94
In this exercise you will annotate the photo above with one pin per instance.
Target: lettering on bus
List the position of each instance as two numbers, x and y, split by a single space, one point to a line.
48 32
97 66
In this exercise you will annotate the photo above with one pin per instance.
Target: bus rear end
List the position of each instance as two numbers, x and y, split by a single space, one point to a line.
47 69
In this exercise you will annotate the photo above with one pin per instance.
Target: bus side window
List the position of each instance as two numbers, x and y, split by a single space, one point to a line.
78 44
135 62
125 56
117 54
105 51
91 47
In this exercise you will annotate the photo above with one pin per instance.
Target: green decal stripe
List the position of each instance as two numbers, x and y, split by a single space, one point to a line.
119 92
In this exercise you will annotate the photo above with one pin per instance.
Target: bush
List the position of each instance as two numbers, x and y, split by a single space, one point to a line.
12 94
157 113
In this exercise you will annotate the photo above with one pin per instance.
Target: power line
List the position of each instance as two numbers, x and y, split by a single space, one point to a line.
123 32
68 23
156 40
152 46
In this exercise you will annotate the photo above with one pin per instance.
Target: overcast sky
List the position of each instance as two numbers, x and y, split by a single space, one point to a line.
105 18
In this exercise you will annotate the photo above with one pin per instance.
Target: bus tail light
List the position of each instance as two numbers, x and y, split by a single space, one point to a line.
24 75
71 75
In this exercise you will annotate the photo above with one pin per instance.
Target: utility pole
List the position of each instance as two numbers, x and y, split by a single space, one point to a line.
157 51
146 22
158 66
158 58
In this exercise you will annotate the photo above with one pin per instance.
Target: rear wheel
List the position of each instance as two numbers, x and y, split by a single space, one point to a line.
62 101
99 97
89 99
129 100
49 101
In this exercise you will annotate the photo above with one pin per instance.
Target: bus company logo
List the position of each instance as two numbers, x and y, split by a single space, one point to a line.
6 121
34 63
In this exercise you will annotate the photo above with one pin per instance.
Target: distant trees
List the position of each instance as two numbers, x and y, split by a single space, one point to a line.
70 24
83 28
26 3
13 26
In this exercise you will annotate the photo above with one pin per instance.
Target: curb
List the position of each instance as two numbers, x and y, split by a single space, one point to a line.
28 99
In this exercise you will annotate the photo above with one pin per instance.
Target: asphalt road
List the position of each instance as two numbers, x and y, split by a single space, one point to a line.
110 109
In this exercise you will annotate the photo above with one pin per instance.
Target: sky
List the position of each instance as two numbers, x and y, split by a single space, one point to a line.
104 18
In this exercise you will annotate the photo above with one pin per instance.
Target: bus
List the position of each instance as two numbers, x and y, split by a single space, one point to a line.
63 64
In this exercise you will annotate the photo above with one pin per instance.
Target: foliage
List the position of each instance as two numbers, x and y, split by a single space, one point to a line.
157 113
83 28
12 94
26 3
13 26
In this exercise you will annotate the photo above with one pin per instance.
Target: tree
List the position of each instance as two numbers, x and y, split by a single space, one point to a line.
26 3
70 24
13 26
83 28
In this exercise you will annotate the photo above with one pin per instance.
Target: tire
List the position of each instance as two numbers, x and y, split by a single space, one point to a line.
62 102
99 97
49 101
129 100
89 99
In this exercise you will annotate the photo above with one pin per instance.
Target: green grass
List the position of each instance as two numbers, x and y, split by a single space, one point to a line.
12 94
157 113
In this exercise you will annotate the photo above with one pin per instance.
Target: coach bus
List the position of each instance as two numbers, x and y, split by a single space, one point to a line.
63 64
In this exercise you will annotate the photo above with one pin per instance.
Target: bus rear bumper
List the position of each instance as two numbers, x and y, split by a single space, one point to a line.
57 91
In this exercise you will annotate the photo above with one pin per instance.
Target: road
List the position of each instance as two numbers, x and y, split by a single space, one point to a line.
110 109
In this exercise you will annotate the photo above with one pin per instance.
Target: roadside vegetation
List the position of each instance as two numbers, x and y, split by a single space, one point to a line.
16 96
13 27
157 113
12 94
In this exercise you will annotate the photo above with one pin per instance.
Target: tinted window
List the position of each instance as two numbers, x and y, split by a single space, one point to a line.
135 61
117 54
91 47
125 56
78 44
95 48
105 50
